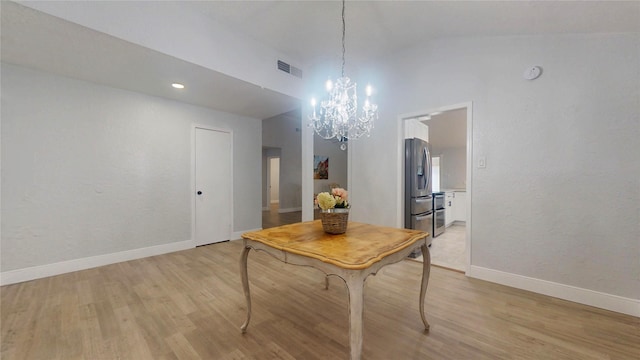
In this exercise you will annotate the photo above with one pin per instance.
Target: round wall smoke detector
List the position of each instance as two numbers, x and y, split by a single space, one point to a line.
532 72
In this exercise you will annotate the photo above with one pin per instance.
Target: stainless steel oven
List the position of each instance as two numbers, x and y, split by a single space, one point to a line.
439 220
438 200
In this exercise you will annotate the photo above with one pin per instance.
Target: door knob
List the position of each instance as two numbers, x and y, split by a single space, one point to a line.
199 193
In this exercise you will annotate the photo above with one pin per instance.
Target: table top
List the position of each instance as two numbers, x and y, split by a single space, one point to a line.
360 247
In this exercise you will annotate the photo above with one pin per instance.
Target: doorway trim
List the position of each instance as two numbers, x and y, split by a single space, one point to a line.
400 168
194 127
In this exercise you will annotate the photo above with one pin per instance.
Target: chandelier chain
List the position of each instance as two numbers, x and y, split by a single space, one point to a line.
344 31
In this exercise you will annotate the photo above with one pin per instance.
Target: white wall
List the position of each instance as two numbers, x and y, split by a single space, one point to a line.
284 132
453 167
337 164
89 170
559 202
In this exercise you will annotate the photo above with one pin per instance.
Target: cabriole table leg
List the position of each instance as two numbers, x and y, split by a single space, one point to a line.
426 268
355 287
245 285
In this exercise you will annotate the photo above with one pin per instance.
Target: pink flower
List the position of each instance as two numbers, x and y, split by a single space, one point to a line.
340 192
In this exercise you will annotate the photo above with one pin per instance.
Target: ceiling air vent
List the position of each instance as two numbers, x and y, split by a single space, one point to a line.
289 69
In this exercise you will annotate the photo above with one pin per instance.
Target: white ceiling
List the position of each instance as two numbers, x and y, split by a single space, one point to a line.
308 31
37 40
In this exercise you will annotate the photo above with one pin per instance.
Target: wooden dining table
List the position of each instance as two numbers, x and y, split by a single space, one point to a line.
362 251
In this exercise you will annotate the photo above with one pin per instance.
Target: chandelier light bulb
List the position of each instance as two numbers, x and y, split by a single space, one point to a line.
329 85
313 102
369 90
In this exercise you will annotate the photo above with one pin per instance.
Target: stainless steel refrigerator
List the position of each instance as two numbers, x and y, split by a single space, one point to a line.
418 208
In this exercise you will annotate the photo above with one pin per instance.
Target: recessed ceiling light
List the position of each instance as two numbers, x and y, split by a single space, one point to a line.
177 85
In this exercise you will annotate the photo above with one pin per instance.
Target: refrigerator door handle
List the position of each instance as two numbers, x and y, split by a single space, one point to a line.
423 200
426 161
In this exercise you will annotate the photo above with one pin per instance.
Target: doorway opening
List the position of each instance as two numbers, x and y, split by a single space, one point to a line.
273 181
272 212
448 131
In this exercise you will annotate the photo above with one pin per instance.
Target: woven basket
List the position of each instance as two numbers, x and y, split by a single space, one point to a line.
334 221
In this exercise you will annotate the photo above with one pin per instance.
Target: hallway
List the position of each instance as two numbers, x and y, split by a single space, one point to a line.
272 218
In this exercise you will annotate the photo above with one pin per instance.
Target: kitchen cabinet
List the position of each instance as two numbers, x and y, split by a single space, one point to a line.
459 208
448 208
416 129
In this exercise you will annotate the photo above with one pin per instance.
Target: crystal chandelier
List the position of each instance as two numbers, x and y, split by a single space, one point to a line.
338 114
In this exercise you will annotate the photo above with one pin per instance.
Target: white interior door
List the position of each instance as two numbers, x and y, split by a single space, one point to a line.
213 186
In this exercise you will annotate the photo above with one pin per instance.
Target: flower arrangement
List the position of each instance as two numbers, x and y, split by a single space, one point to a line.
336 199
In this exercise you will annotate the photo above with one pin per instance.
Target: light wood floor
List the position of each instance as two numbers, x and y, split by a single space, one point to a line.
190 305
273 218
448 249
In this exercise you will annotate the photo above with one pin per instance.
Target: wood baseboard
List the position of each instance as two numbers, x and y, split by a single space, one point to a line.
562 291
42 271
